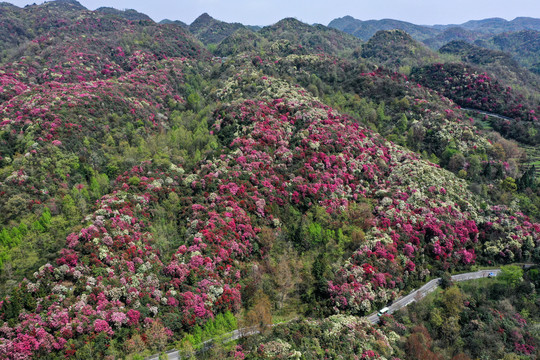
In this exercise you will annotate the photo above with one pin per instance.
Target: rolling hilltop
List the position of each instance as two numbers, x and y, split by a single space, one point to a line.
163 184
518 37
366 29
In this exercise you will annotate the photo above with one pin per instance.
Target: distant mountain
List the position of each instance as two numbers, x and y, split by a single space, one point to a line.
497 25
211 31
175 22
366 29
436 36
477 24
451 34
476 54
524 46
254 27
128 14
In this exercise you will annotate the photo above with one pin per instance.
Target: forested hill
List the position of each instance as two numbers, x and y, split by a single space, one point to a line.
366 29
162 184
518 37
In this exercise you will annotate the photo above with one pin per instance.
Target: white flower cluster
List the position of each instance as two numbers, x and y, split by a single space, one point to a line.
115 293
177 169
188 180
213 292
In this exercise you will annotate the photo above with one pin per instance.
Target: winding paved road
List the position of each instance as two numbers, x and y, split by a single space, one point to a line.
416 295
401 302
487 113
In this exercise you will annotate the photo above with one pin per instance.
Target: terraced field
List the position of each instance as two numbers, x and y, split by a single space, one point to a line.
533 157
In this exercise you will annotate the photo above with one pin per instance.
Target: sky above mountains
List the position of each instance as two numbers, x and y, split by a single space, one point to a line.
265 12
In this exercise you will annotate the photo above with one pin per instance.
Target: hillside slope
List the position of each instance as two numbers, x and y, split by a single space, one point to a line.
522 45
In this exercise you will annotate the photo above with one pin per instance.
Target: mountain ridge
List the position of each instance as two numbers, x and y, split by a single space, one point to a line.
212 31
498 25
365 29
129 14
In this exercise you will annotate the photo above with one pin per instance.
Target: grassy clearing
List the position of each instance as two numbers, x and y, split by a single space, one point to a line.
470 286
533 157
278 319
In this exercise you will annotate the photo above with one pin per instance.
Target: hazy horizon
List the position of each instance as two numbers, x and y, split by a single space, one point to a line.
258 12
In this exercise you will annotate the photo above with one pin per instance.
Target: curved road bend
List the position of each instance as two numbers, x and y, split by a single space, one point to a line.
429 287
487 113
